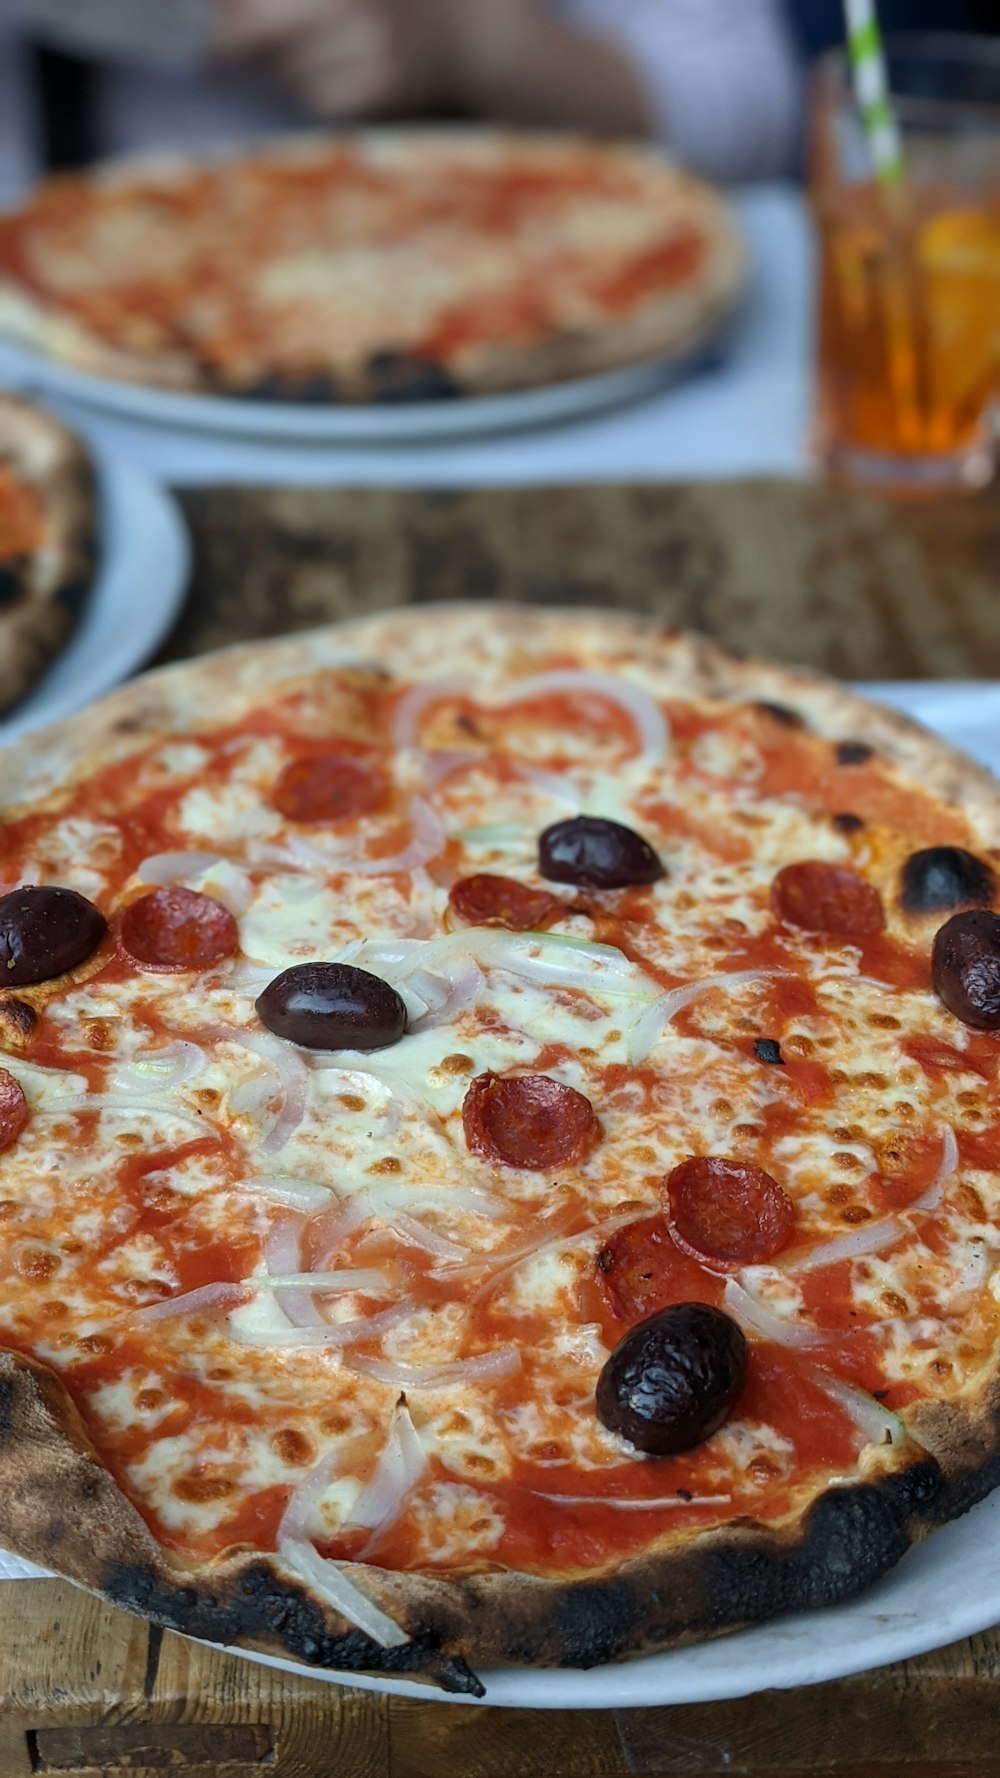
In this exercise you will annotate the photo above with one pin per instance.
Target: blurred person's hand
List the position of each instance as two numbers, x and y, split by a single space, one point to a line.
341 58
503 58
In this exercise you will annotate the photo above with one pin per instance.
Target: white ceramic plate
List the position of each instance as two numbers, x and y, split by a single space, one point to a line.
299 423
946 1589
142 572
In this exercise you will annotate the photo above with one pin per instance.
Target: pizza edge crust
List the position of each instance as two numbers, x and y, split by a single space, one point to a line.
61 1508
666 327
49 458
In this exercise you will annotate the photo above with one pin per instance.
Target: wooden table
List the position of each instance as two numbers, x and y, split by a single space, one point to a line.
845 583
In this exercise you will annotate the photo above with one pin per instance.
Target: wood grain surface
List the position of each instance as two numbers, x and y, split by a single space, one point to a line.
845 583
801 572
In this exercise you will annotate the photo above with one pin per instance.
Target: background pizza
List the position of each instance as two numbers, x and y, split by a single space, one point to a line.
393 265
47 540
320 1345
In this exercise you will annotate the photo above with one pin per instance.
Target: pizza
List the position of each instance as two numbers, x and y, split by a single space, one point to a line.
500 1150
383 266
47 527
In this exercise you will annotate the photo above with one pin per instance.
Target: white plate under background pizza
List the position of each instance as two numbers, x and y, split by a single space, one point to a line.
947 1588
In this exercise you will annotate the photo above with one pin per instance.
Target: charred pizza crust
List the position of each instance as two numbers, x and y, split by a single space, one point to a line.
41 592
58 1504
665 325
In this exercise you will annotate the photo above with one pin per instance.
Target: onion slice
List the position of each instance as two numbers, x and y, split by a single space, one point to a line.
879 1426
297 1518
551 783
333 1334
206 1300
427 839
408 712
503 1361
634 1506
283 1257
752 1314
651 726
168 1066
463 991
127 1107
292 1194
931 1198
648 1029
371 1282
417 1235
172 867
293 1079
331 1583
400 1466
873 1237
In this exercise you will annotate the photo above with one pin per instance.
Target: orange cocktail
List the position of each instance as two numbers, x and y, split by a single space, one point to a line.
909 297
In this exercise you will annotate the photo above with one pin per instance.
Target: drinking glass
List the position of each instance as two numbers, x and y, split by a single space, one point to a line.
909 273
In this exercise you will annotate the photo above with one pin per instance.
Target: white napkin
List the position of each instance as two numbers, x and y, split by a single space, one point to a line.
964 712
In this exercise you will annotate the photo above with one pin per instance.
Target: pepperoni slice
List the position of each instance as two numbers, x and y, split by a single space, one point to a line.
822 897
328 787
726 1213
14 1109
177 929
528 1120
487 900
640 1269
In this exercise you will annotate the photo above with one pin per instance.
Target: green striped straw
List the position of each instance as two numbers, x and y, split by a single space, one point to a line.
871 86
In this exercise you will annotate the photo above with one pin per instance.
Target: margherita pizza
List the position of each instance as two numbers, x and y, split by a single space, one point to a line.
47 523
501 1159
390 266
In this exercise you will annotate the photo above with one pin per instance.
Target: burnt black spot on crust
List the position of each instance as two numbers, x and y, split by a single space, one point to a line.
11 587
594 1624
8 1405
846 822
781 713
260 1607
310 391
395 376
853 753
940 879
852 1536
72 596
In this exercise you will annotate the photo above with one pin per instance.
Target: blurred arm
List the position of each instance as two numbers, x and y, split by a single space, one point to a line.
721 79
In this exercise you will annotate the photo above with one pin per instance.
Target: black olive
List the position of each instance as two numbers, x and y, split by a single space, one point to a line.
944 877
44 931
671 1381
332 1006
965 965
596 853
768 1049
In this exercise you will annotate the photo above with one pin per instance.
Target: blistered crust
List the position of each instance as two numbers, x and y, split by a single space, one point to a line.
59 1507
667 325
38 612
